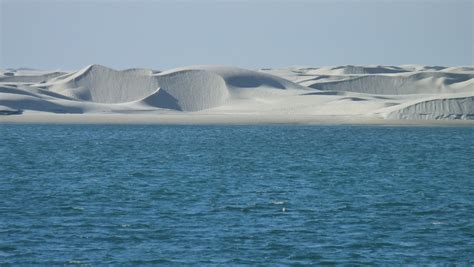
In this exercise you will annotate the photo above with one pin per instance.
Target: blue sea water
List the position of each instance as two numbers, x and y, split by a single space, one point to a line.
236 195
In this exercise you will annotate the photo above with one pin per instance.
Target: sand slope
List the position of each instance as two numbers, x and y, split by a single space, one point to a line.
412 83
100 84
188 90
452 107
382 92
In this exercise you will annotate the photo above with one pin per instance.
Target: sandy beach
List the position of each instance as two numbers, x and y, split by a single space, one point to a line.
193 119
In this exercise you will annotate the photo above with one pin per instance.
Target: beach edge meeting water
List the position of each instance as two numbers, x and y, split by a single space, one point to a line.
222 119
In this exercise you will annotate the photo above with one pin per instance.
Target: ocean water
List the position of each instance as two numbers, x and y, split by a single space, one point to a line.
236 195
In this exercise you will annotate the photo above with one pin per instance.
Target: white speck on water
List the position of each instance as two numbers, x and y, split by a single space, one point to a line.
278 202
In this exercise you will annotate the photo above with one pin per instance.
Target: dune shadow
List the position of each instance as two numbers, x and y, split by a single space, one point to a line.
324 93
250 81
11 112
16 91
40 105
354 99
162 99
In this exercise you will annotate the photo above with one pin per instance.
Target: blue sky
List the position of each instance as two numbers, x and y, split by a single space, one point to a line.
252 34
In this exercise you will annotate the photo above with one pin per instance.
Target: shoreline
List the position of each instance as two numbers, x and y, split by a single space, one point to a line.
218 119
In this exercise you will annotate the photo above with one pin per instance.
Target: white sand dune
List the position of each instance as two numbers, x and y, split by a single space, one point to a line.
412 83
408 92
450 107
100 84
188 90
350 69
27 76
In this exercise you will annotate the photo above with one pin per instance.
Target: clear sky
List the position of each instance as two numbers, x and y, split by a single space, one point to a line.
252 34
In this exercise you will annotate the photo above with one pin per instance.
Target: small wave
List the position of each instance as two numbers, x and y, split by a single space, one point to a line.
7 248
74 262
278 202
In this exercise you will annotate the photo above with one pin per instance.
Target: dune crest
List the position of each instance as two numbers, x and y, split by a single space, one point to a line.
100 84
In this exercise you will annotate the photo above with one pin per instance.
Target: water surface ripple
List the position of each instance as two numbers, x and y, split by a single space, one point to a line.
230 195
